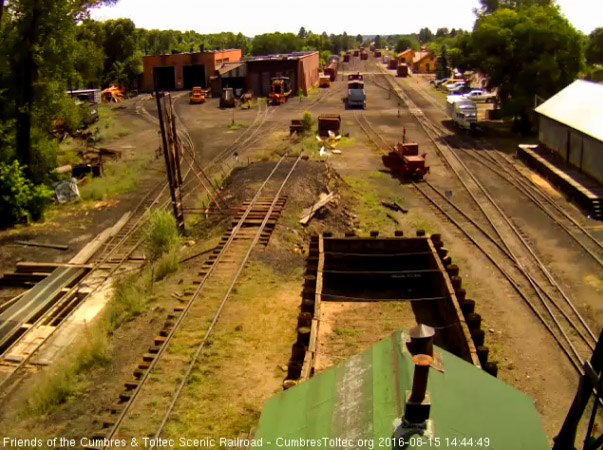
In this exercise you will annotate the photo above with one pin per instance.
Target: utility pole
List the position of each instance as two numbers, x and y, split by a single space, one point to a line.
171 162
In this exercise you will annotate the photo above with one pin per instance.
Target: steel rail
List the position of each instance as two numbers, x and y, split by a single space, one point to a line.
140 220
223 302
189 304
512 227
536 288
531 196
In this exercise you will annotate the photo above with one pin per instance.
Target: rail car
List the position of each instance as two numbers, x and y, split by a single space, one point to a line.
332 68
402 70
462 111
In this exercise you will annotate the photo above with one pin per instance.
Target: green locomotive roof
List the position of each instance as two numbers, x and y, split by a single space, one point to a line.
363 396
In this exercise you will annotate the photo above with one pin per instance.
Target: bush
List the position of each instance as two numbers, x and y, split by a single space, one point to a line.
21 200
161 234
307 121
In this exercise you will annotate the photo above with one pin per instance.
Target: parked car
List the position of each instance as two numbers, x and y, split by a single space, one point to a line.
477 95
460 90
438 83
453 86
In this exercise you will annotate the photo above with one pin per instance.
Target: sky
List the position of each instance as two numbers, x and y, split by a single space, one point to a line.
252 17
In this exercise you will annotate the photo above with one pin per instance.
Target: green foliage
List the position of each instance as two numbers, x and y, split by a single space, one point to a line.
161 234
442 69
268 43
324 57
406 42
489 6
527 52
21 200
425 35
594 47
307 121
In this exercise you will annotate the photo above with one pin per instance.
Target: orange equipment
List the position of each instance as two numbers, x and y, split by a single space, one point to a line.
113 94
404 159
197 95
280 90
324 81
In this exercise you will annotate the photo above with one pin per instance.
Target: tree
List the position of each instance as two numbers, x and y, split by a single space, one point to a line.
425 35
489 6
359 39
442 32
594 47
441 69
37 41
377 41
526 52
302 33
404 43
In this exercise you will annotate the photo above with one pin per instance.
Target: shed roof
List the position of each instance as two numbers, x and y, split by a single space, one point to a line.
363 396
579 106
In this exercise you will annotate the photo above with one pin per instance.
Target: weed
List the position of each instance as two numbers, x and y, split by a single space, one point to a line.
307 121
167 264
161 234
235 126
130 296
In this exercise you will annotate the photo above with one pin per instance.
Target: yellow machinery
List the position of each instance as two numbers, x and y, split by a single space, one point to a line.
197 95
227 100
324 81
280 90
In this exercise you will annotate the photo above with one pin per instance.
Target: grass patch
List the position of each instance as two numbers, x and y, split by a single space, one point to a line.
369 211
107 127
235 126
342 331
118 177
66 377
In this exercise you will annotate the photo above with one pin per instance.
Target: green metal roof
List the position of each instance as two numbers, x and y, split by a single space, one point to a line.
361 398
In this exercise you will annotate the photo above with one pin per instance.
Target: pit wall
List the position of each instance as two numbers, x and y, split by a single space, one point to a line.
458 326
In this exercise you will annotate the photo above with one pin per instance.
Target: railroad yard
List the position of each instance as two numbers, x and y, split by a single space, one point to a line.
514 270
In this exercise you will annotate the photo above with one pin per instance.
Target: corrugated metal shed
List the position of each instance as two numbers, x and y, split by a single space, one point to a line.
233 70
361 398
579 106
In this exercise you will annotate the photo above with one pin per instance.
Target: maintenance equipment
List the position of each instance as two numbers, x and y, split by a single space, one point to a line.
227 100
404 159
280 90
197 96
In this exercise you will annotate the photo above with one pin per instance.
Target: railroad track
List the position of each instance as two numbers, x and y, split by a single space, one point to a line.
112 256
164 372
500 240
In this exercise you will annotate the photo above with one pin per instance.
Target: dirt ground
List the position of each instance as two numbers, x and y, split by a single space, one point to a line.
269 294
